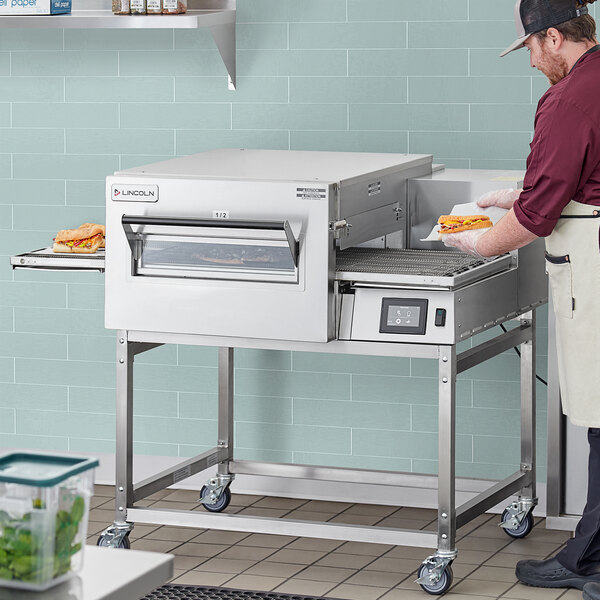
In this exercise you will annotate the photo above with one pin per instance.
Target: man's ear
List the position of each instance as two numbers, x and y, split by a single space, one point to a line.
554 39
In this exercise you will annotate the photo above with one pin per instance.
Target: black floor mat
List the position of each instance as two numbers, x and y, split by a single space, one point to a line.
196 592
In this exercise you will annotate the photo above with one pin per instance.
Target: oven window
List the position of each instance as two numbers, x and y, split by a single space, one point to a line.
179 256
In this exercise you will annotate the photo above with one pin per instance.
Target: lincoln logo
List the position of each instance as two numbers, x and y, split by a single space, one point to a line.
146 193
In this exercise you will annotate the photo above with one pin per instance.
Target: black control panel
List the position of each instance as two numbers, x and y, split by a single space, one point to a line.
403 315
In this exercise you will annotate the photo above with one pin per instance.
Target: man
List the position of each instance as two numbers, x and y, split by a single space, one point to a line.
560 201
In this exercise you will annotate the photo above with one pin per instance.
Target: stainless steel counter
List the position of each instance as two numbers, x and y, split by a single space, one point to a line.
107 574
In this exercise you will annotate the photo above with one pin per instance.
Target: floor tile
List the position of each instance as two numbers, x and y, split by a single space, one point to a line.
494 574
322 506
304 587
531 546
314 544
376 578
213 536
351 519
408 552
525 592
272 513
166 505
476 587
176 573
422 514
255 582
482 544
280 503
244 499
395 522
140 531
400 565
202 578
483 569
188 562
221 565
107 491
300 557
366 549
154 545
274 569
333 574
504 559
376 510
349 561
187 496
309 515
104 515
264 540
193 549
247 553
356 592
179 534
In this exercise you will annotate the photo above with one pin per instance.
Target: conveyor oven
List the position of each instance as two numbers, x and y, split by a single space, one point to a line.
319 252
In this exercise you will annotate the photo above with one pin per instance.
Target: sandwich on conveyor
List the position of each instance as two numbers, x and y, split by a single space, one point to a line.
83 240
455 223
102 245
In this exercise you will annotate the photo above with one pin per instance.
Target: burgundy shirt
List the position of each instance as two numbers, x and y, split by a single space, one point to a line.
564 162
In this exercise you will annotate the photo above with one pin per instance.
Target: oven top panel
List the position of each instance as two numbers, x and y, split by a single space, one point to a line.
281 165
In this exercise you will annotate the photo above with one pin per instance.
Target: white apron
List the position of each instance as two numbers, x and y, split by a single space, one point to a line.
573 267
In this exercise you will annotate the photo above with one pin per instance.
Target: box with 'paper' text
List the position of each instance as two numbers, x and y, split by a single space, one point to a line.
35 7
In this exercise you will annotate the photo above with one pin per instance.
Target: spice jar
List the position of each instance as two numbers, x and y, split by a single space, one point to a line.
138 7
153 7
120 7
174 7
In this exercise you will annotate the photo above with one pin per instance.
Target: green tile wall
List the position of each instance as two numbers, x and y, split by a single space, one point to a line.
347 75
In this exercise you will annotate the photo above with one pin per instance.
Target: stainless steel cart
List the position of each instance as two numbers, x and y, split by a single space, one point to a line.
368 267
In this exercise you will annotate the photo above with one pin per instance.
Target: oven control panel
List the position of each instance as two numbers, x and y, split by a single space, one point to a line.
399 316
403 315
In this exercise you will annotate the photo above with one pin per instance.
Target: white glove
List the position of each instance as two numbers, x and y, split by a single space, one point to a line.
502 198
465 241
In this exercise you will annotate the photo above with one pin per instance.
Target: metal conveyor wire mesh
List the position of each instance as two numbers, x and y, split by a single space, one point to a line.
435 263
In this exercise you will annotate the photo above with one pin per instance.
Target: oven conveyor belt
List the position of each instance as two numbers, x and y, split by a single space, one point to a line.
443 268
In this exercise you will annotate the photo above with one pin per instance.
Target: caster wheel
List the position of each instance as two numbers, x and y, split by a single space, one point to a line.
124 543
221 504
522 530
442 586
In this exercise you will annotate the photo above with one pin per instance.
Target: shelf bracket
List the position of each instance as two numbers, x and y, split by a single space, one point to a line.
224 36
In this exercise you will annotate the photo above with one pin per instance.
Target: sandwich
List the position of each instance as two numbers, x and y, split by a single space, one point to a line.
102 245
455 223
83 240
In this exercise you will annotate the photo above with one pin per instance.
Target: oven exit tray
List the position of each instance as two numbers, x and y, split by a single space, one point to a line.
46 259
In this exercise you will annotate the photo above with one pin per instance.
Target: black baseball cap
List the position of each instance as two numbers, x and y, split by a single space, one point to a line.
532 16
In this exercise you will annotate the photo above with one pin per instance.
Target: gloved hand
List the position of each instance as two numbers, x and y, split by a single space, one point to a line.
465 241
502 198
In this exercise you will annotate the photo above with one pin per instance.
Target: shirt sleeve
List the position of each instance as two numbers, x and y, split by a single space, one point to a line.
559 151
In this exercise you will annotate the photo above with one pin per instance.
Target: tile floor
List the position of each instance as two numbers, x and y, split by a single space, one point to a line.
484 568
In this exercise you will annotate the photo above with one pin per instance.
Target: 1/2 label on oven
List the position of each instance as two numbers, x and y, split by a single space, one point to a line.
220 214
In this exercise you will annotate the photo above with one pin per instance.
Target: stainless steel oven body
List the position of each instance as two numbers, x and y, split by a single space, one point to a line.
242 243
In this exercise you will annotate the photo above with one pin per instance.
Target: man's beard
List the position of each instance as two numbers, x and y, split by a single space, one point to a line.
554 69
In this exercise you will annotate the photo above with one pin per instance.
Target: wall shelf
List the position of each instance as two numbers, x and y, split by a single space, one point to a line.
218 16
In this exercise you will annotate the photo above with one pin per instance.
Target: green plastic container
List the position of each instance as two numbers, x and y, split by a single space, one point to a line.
44 507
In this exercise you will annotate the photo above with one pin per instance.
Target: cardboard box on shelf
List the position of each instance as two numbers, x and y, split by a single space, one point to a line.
35 7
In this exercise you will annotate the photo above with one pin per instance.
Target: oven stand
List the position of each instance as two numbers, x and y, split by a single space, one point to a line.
435 573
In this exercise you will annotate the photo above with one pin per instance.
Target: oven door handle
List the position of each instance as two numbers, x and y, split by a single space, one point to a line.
128 220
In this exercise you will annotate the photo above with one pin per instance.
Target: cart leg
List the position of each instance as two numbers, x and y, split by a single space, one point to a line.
517 519
215 495
435 574
116 535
